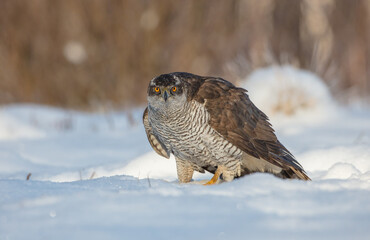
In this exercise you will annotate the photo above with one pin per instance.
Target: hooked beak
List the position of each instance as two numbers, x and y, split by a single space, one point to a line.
165 95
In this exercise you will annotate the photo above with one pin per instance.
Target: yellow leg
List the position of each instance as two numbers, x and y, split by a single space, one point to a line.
215 177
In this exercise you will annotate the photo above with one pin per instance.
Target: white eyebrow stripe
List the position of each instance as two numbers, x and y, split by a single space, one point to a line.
152 82
177 80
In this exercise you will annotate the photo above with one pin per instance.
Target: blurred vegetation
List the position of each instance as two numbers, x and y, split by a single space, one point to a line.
91 53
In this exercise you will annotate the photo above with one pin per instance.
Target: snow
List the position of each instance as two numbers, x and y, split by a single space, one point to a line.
95 176
285 90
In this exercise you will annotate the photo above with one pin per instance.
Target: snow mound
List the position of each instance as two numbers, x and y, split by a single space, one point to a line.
151 165
12 128
325 159
338 162
342 171
287 91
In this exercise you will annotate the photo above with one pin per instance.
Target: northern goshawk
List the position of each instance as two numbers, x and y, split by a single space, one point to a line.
209 124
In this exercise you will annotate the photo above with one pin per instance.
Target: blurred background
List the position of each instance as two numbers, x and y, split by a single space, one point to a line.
87 54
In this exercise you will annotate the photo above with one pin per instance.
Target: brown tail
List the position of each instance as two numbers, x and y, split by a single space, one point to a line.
291 172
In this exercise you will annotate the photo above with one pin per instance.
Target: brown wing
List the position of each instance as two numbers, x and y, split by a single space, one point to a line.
235 117
157 145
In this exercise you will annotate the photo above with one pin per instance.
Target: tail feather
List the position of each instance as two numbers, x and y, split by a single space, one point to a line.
290 166
292 172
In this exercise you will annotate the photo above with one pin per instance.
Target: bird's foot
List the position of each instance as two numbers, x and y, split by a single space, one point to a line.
216 176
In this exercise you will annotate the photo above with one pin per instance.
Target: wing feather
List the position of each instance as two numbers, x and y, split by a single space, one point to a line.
233 115
156 144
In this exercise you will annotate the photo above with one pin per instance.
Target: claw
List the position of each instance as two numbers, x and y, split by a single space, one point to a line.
215 177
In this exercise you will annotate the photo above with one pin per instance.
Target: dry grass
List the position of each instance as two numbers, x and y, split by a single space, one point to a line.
92 53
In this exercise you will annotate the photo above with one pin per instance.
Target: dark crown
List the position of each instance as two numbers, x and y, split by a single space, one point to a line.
169 79
164 80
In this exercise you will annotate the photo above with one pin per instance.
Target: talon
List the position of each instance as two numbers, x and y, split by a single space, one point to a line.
215 177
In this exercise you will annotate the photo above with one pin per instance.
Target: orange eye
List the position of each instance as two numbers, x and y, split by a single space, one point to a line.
174 89
156 89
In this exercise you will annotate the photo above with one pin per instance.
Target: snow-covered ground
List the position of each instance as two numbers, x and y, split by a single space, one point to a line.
95 176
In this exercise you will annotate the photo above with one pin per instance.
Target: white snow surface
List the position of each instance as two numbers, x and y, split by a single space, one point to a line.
285 90
95 176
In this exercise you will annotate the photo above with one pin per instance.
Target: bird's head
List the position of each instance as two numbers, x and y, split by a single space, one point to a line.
167 92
